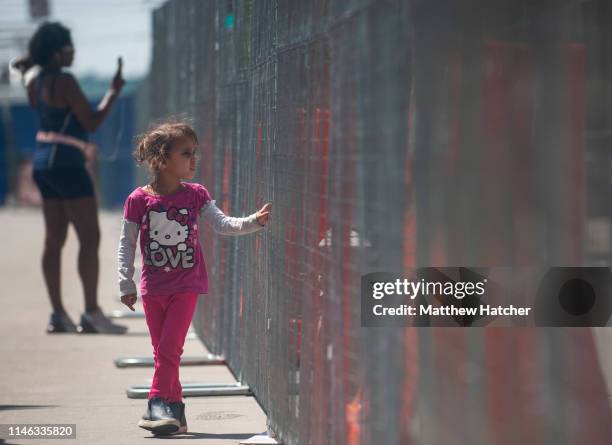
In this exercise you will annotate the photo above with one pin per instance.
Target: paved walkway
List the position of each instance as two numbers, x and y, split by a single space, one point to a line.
71 378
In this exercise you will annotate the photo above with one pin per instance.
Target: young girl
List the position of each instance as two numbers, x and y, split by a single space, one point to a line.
165 213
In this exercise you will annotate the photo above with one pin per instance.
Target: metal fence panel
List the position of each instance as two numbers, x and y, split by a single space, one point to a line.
391 135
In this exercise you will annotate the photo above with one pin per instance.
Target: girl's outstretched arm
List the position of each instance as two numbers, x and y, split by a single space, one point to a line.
229 225
125 257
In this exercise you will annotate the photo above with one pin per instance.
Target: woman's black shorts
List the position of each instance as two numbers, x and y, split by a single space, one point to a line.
64 183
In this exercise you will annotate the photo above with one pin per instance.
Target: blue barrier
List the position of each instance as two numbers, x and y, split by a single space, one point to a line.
24 124
115 168
3 166
114 171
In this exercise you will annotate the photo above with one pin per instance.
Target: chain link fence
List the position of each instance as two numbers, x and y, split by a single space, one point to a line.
390 135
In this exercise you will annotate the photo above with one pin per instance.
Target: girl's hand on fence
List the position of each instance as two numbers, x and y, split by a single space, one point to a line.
263 215
129 300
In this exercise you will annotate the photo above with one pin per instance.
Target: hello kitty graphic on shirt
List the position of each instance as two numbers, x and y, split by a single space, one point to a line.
168 246
168 228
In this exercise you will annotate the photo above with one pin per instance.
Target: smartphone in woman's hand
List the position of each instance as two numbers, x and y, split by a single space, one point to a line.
118 81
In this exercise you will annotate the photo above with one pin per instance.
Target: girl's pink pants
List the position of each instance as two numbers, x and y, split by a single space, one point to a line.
168 319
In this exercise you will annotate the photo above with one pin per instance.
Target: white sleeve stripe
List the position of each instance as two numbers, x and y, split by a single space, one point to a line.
229 225
125 256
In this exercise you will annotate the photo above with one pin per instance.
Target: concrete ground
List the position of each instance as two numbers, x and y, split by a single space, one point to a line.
71 378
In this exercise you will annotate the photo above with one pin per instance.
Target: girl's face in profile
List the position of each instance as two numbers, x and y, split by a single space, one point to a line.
181 162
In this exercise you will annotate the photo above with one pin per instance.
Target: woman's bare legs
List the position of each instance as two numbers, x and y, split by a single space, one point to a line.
56 228
83 214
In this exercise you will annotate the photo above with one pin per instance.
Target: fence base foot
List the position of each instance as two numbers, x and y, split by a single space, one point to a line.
260 439
126 314
195 390
147 362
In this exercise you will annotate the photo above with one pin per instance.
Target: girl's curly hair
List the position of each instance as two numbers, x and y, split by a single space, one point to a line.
153 147
49 38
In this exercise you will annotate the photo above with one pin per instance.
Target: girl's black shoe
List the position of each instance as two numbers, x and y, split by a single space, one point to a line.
159 418
178 410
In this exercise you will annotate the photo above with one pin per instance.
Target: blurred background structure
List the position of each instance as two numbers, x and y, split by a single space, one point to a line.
390 135
102 31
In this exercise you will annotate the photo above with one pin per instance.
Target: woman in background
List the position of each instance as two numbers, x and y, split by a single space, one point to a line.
65 119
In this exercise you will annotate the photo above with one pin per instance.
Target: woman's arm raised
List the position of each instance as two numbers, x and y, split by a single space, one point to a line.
88 118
